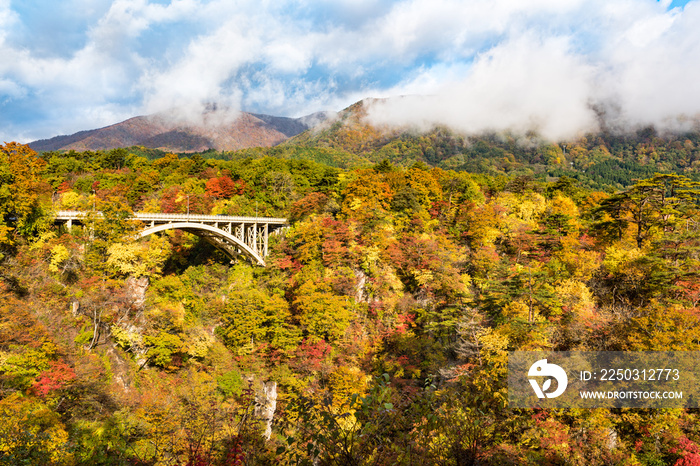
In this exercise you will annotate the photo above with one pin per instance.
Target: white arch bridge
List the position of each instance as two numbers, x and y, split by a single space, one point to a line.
235 236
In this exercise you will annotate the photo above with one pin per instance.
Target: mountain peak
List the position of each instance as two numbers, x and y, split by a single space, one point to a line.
178 131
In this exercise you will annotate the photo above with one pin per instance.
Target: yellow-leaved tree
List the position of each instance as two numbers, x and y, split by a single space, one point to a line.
22 191
138 258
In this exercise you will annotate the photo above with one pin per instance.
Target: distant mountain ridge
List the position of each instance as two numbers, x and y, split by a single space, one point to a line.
605 159
166 131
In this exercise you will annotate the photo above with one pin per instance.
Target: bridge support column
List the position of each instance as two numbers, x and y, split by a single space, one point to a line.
255 238
267 237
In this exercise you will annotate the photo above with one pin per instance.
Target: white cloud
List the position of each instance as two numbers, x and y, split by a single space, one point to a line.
537 79
656 79
521 85
287 57
8 19
485 63
200 76
10 89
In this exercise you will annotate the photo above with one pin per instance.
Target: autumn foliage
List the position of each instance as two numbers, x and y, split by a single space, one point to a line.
380 330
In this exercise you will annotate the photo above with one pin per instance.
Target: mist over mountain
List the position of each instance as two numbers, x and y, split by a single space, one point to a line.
179 131
612 155
401 130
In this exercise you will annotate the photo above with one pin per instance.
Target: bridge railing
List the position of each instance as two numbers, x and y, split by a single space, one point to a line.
72 214
209 218
147 216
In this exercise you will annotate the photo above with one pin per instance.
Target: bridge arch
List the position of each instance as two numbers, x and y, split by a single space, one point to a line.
235 236
219 238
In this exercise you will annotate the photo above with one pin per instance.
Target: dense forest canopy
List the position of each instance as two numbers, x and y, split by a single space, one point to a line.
379 331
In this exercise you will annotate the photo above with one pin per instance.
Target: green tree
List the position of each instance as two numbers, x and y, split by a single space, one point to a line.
253 318
652 206
321 314
110 223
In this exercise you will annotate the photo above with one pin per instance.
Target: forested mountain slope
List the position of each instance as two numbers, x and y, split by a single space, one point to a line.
604 159
171 131
607 160
384 317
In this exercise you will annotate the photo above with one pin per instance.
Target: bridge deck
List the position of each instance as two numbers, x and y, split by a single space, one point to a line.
160 217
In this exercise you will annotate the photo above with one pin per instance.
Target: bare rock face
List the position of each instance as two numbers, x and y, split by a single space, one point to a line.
120 369
265 405
612 439
136 290
360 287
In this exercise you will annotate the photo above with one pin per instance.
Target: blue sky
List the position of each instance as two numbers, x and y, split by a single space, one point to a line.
484 64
